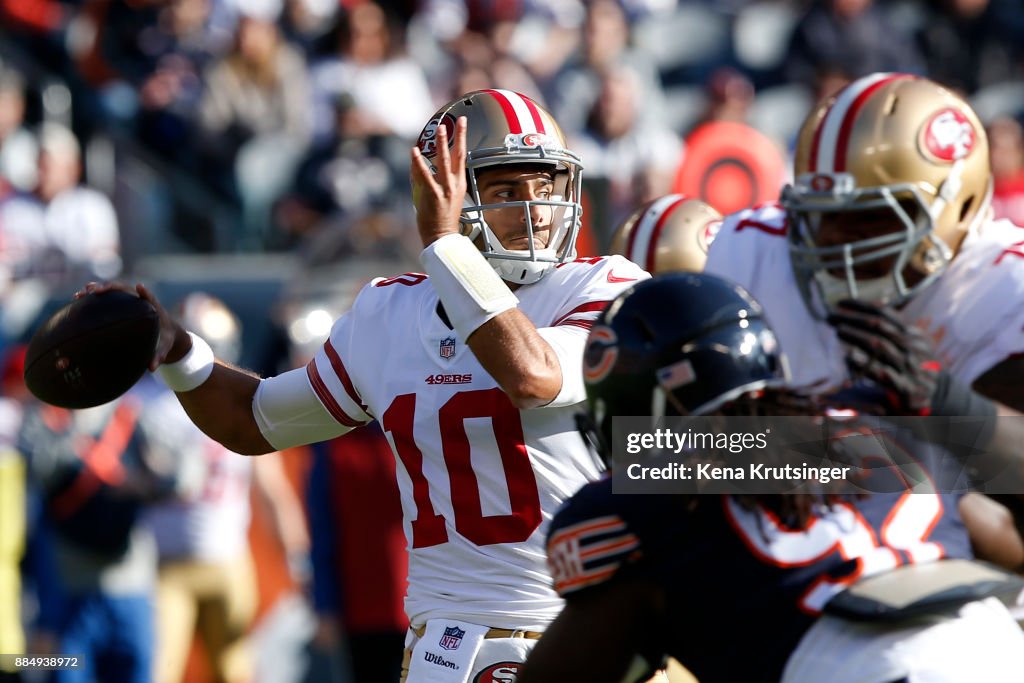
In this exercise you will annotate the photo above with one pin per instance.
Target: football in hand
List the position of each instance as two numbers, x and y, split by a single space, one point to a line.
92 350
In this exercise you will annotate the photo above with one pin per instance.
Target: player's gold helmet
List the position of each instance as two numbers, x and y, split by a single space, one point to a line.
668 234
888 150
505 127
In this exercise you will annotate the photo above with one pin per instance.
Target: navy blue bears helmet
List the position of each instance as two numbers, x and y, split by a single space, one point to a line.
677 344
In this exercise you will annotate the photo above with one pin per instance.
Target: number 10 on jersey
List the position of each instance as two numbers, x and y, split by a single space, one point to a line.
429 527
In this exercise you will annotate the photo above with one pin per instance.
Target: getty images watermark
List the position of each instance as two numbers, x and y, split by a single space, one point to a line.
856 454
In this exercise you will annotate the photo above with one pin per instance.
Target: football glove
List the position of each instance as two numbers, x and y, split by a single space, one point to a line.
897 358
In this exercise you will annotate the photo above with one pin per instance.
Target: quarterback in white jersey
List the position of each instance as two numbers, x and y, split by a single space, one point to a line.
473 369
479 477
890 205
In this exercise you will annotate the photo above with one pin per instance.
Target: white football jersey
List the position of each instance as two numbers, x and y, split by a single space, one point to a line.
480 479
974 311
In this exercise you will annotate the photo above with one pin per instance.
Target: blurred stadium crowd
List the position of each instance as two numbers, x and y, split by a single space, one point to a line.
204 143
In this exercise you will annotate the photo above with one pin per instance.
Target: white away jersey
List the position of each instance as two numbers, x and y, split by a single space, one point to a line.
480 479
974 311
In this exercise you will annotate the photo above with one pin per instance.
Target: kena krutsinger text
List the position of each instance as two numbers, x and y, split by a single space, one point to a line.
666 440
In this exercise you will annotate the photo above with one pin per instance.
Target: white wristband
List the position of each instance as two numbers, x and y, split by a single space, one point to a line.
470 289
192 370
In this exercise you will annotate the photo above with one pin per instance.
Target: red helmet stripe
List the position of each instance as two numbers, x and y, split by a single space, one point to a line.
521 113
828 149
640 236
510 115
659 227
538 121
648 226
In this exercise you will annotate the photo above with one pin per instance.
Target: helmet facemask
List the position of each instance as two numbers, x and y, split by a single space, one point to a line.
886 268
526 266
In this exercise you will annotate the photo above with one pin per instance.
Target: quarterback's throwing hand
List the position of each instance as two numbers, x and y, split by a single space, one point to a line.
174 341
438 195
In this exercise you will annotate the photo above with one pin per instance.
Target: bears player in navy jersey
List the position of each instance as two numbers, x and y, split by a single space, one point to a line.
734 587
472 369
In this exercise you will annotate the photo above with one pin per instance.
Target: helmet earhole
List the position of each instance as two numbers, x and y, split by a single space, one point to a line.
965 208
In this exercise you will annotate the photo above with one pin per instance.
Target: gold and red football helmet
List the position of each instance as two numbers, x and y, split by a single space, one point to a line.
505 127
668 234
904 163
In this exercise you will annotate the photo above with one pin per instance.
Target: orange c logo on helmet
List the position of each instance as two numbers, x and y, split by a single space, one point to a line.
601 353
948 136
427 141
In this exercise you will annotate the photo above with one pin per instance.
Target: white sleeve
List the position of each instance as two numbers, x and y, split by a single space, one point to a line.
598 284
289 413
568 344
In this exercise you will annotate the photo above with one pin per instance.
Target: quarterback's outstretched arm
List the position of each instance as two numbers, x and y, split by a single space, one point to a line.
231 405
480 304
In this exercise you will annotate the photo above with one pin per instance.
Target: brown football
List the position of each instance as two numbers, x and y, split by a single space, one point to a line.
92 350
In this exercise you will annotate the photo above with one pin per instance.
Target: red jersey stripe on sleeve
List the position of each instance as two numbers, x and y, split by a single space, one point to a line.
325 396
585 324
589 307
342 373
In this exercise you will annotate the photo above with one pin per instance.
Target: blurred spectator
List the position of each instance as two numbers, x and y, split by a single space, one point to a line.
64 229
537 34
851 35
387 92
179 47
17 145
638 158
501 72
206 577
1006 150
729 97
253 116
12 509
969 44
828 80
111 47
347 197
96 472
35 15
306 22
359 559
605 45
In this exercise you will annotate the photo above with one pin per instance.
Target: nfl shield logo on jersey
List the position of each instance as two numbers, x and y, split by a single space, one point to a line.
452 638
447 348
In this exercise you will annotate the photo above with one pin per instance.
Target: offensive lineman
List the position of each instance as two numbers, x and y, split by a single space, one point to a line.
890 204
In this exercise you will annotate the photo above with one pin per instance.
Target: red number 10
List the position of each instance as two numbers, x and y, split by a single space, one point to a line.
428 528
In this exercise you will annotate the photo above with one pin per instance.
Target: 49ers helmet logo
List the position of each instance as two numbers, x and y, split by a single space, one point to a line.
502 672
428 138
948 136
